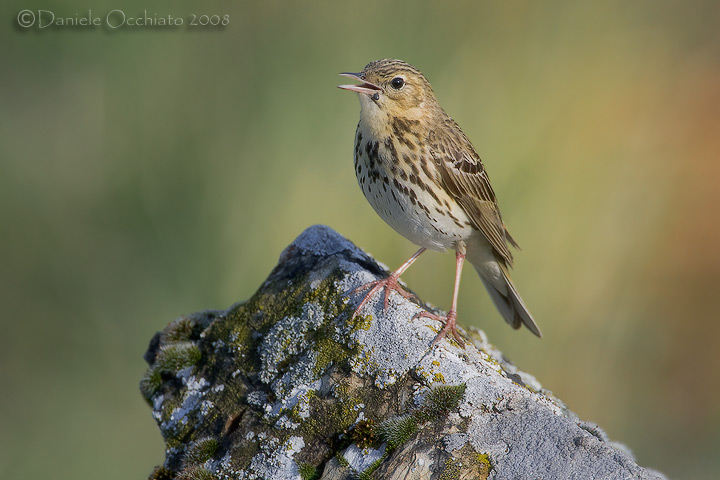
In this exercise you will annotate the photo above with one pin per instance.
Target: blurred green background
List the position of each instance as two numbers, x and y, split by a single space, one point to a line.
148 173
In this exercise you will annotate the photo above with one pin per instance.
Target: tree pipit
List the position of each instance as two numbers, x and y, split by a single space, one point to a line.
422 175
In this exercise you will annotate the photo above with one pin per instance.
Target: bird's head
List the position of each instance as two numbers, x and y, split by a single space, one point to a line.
391 88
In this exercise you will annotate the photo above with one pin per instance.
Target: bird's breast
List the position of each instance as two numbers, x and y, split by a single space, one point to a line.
398 177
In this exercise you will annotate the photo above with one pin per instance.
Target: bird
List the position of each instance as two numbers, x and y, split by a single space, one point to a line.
421 174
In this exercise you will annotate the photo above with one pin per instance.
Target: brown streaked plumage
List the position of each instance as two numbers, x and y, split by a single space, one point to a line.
422 175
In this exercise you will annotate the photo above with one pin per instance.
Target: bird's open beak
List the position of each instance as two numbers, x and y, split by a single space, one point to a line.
364 87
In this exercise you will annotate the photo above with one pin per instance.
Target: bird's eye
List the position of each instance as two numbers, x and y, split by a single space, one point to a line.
397 83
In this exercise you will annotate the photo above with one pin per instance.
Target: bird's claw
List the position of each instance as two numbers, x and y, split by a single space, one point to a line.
390 284
450 326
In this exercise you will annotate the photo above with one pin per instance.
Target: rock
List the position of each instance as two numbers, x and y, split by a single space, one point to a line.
288 386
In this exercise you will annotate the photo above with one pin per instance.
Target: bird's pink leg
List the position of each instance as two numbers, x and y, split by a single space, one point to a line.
389 284
451 317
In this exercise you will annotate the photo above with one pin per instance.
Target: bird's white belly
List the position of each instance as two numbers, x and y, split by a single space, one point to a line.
410 210
435 232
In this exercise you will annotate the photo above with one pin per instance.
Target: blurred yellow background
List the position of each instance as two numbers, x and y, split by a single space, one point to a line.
150 172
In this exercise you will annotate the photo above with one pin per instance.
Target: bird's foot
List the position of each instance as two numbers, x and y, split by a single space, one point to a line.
390 284
450 326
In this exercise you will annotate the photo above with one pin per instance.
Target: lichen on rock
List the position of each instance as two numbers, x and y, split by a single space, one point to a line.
288 385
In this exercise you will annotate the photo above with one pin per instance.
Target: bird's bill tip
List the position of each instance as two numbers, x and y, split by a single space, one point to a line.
364 87
358 89
354 76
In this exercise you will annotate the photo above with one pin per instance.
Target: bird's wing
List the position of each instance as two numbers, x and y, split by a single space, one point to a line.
464 177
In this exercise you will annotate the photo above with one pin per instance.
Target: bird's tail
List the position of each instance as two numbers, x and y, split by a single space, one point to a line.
494 275
507 300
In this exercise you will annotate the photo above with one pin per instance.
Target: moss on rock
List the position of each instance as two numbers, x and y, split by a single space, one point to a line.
288 382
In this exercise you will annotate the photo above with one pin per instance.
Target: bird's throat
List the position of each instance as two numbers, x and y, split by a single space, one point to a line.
373 119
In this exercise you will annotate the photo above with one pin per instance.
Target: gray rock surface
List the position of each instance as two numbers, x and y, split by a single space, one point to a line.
288 386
